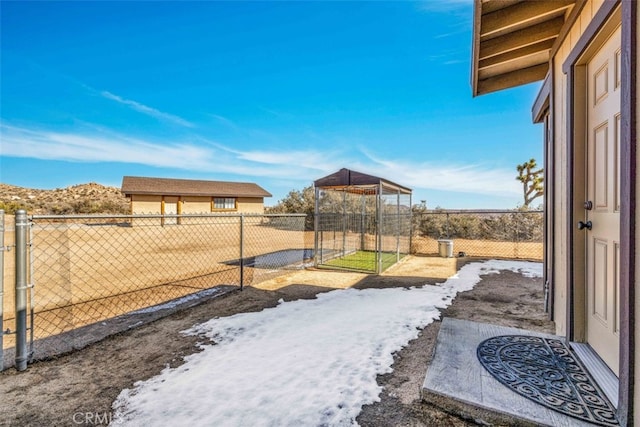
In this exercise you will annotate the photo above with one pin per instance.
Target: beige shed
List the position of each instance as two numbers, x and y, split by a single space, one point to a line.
186 196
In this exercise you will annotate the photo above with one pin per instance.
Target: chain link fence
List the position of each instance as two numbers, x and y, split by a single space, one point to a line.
84 270
480 233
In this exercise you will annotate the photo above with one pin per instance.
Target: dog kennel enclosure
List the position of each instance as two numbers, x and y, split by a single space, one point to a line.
362 222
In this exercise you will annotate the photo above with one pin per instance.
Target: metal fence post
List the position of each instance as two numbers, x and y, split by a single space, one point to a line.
344 223
316 222
516 237
21 290
413 221
32 306
241 252
448 235
363 209
380 229
398 227
1 289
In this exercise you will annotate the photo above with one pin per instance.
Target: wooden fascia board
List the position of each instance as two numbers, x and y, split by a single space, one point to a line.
547 30
542 102
512 79
521 15
475 50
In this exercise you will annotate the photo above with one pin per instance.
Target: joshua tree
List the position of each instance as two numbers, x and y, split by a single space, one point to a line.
532 181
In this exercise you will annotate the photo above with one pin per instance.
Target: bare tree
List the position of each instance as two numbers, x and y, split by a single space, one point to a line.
532 181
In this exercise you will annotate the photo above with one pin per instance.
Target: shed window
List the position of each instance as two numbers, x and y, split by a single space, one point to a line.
224 203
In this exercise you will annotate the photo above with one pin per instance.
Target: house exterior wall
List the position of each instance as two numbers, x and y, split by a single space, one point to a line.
195 205
560 143
151 204
250 205
145 204
561 178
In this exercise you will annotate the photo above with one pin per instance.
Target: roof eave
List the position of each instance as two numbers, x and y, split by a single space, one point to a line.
513 41
128 193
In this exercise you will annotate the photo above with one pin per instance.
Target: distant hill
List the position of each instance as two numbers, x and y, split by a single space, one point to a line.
91 198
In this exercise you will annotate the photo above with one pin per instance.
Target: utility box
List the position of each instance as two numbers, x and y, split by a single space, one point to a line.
445 248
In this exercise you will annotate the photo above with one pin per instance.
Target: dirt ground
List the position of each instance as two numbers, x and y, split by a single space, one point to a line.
79 388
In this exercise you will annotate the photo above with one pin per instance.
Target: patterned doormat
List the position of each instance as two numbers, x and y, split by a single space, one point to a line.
545 371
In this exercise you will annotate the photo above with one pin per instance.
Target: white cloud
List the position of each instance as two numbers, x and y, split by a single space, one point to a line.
460 178
50 145
147 110
103 147
227 122
293 166
306 159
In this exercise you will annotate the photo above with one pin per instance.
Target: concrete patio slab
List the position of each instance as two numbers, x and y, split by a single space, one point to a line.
458 383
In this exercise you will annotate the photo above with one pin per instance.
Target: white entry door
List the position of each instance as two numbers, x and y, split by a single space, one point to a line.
602 224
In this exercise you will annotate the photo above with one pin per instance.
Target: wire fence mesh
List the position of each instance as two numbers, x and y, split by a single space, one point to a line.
85 269
490 234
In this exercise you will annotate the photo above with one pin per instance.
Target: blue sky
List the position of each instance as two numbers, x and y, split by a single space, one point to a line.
277 93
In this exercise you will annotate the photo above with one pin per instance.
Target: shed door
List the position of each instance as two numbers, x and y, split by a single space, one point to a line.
603 192
170 208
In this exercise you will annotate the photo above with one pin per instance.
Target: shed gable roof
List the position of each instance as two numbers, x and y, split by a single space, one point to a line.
190 187
513 41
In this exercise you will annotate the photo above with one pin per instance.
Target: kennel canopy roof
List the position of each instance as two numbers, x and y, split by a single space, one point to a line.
357 182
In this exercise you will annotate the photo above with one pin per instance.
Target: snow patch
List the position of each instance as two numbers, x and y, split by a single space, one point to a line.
176 302
305 362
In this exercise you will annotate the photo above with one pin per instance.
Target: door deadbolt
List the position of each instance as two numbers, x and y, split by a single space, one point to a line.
582 225
588 205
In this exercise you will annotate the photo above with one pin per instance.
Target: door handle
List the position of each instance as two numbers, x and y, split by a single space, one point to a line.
582 225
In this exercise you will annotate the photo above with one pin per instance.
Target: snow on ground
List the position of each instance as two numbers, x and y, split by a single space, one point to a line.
302 363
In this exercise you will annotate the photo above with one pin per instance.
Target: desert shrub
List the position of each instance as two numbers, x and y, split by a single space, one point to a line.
110 206
10 208
509 226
